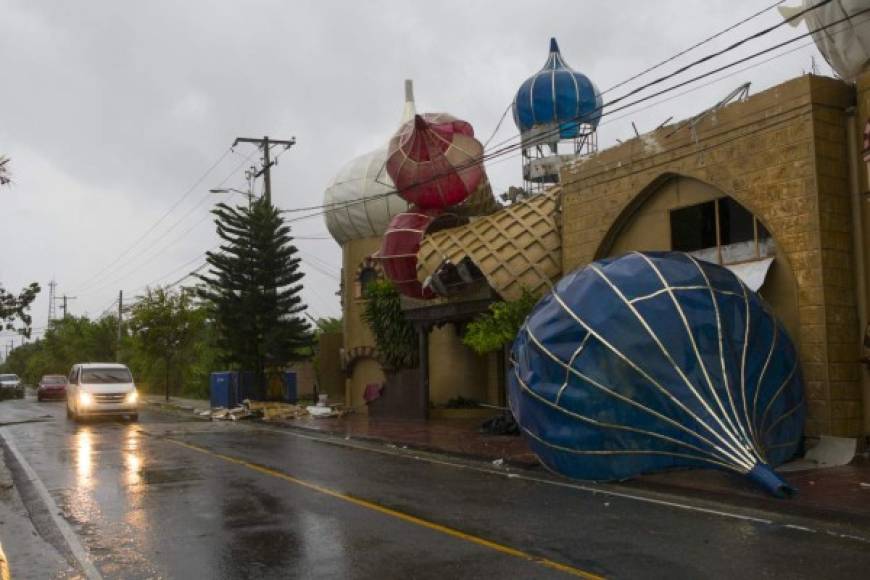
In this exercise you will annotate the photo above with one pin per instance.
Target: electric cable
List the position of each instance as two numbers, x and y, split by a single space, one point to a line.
509 149
693 47
166 214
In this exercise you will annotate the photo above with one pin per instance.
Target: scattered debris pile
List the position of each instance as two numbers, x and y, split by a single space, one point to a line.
503 424
269 411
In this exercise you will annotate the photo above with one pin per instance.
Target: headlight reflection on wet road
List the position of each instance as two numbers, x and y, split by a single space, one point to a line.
84 451
132 459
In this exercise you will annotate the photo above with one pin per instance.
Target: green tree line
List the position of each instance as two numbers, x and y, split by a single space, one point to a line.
167 341
245 314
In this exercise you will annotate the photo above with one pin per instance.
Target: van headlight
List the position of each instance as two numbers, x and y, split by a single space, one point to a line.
85 399
132 397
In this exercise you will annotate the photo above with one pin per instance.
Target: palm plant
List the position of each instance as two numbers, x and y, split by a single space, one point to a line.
5 179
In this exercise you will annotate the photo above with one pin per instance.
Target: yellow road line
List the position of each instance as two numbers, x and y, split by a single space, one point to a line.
397 514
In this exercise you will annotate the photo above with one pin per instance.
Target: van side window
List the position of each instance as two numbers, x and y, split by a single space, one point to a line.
72 376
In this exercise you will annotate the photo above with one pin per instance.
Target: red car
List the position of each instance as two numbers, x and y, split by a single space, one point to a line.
51 387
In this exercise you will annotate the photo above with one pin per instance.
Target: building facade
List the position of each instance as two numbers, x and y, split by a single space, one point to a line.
787 157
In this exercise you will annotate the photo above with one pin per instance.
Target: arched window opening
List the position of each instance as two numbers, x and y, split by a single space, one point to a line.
366 277
720 231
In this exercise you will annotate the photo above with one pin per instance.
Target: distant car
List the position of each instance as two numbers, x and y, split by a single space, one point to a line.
96 389
11 387
51 387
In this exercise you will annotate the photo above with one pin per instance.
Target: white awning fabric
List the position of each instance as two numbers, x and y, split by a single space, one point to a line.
752 273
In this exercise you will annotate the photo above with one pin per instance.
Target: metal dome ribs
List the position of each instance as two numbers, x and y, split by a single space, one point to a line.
557 96
435 161
654 361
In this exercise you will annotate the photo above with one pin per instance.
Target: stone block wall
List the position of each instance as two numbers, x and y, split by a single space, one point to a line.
782 155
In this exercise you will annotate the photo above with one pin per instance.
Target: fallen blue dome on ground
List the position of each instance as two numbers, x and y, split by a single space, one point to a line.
655 361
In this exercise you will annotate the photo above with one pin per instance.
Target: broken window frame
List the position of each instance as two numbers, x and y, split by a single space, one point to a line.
761 241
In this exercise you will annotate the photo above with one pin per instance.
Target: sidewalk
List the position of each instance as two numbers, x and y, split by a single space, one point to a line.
841 493
29 555
458 437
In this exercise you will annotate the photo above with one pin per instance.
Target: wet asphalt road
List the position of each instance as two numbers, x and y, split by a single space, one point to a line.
172 497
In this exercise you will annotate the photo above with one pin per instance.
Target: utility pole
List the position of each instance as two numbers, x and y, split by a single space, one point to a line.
63 307
265 144
120 318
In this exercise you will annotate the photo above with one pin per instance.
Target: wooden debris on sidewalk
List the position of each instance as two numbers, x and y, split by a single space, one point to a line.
270 411
273 411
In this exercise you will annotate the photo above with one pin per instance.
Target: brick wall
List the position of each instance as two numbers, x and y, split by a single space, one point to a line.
782 155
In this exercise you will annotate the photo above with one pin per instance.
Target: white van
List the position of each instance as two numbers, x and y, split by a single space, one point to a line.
97 389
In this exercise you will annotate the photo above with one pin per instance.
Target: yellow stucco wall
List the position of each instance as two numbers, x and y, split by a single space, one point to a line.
862 220
454 369
782 155
648 229
356 332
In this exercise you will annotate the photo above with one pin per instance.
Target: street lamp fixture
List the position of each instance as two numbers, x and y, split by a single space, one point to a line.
230 190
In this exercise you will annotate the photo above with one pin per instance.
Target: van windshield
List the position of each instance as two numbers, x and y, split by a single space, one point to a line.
105 376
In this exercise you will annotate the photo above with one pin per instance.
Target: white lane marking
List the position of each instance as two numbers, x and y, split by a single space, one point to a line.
334 439
514 475
580 487
72 541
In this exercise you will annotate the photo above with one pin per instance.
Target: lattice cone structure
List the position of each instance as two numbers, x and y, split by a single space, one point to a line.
515 248
480 202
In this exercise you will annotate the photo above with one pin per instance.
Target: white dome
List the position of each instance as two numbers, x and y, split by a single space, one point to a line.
846 46
358 201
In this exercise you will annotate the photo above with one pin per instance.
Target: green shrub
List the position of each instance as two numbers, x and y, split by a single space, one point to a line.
394 335
497 328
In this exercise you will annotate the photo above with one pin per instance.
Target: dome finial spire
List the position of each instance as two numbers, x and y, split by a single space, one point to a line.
554 46
410 108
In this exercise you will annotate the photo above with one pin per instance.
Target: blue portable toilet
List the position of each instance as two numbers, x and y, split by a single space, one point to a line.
223 389
291 394
247 386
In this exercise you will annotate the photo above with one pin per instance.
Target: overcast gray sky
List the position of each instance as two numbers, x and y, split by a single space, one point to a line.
111 110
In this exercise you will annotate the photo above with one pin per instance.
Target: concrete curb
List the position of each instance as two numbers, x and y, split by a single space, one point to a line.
75 547
653 489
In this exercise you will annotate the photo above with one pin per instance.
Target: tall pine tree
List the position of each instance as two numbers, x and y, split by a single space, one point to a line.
254 288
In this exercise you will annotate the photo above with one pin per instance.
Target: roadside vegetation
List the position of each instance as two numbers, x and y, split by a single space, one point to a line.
394 335
253 291
497 329
15 307
155 324
246 313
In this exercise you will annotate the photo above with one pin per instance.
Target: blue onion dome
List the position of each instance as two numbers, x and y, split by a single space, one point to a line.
557 96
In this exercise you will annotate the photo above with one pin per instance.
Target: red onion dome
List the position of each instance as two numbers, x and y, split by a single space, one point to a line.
435 161
398 253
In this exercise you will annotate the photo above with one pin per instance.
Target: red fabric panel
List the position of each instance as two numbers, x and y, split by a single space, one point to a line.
398 253
431 159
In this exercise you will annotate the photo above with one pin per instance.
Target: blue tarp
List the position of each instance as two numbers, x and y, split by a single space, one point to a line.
653 361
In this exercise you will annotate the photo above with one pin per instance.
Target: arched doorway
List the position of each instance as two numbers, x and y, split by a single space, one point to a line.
685 214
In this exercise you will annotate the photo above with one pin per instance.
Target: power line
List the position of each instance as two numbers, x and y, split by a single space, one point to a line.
165 215
546 135
694 46
506 150
99 284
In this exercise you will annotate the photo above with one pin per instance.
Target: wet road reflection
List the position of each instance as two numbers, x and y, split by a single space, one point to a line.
84 449
132 460
144 505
